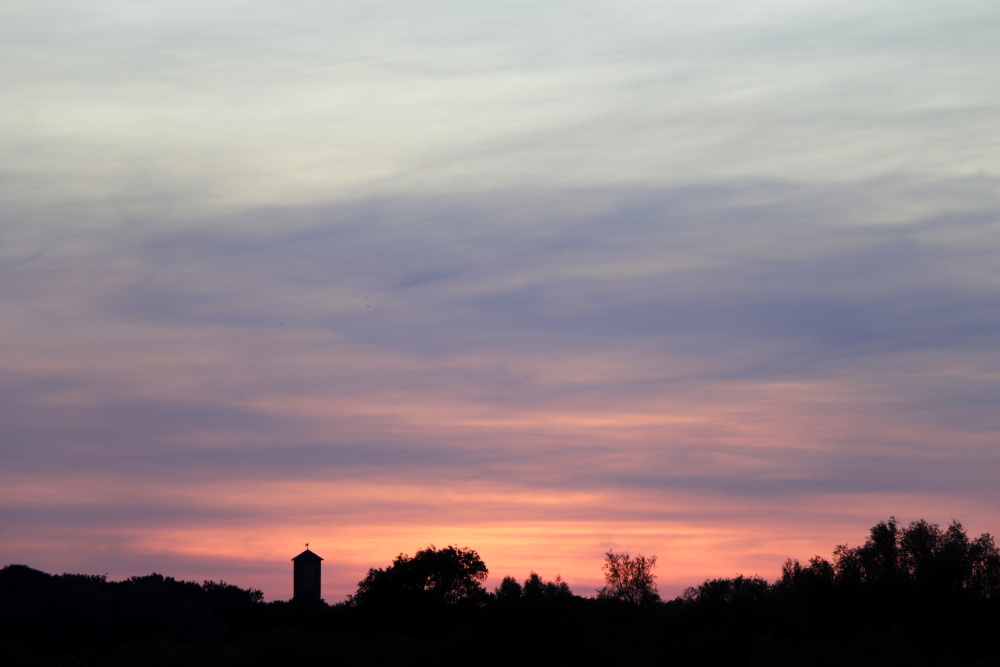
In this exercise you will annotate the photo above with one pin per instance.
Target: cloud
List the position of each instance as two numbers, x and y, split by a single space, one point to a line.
538 281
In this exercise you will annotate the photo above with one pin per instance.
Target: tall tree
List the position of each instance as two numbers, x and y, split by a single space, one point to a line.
629 578
923 557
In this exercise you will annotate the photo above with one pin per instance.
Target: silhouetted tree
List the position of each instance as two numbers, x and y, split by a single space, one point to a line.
739 590
984 581
629 578
446 575
537 588
880 555
508 590
815 579
223 594
921 594
923 559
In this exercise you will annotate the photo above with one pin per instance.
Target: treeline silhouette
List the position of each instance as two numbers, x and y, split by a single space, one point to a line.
910 595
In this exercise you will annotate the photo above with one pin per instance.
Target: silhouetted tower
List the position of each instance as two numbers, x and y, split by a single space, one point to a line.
306 577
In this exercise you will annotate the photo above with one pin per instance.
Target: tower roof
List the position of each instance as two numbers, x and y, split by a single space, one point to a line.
307 555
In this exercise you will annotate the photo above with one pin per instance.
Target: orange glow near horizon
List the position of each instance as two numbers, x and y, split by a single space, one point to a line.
515 530
726 303
551 486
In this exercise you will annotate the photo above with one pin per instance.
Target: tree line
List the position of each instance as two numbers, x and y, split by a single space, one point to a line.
918 594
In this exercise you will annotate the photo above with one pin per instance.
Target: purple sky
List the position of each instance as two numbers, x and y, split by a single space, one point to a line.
707 280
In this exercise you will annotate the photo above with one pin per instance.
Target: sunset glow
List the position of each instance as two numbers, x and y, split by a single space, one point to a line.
712 282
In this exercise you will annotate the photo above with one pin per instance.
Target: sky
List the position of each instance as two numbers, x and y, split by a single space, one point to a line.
709 280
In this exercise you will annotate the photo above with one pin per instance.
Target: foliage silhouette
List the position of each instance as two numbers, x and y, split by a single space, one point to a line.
536 588
737 591
909 595
508 590
629 578
449 575
923 560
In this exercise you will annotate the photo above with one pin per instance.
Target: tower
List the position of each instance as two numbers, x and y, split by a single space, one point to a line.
306 577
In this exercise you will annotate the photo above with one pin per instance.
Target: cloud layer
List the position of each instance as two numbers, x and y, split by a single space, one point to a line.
542 280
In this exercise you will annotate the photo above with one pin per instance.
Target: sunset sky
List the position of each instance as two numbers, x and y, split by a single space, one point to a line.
709 280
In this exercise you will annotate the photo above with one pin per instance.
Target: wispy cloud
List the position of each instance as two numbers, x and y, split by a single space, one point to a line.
543 280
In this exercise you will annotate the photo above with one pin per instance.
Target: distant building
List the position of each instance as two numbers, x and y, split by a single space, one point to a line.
306 577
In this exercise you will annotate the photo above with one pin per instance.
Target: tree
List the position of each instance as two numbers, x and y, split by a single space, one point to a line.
508 590
810 583
739 591
629 578
536 588
446 575
223 594
922 557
